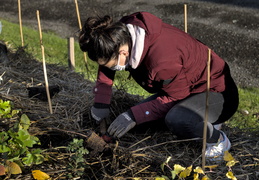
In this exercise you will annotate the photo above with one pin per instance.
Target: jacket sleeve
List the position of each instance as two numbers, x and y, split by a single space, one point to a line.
103 87
176 89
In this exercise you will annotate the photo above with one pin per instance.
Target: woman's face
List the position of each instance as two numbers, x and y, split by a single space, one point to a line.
122 58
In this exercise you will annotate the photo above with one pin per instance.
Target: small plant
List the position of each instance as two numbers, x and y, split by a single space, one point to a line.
16 144
77 162
6 109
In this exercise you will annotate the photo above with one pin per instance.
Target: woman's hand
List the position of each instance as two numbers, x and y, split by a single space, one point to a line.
121 125
99 113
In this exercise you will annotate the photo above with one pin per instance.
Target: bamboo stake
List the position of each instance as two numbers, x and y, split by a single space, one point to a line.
185 18
206 111
20 21
44 64
78 15
71 51
80 27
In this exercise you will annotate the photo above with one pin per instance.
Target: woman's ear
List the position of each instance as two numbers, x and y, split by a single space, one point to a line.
125 53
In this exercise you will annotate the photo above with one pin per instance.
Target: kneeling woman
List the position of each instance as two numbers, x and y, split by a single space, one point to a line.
167 62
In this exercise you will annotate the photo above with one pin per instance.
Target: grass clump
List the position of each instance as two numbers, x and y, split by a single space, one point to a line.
247 116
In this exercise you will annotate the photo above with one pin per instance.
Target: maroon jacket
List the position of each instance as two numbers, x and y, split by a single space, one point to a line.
173 64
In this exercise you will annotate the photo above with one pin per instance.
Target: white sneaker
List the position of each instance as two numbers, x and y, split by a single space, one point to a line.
215 151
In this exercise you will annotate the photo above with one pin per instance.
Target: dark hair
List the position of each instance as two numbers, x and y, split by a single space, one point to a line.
101 38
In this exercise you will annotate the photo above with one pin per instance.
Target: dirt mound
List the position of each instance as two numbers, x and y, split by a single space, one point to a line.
138 154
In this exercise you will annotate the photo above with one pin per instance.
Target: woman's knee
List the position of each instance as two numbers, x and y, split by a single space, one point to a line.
181 121
185 123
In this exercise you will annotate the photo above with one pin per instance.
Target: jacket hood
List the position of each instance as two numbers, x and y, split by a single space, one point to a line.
150 23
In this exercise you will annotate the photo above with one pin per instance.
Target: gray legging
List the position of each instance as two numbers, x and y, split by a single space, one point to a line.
185 119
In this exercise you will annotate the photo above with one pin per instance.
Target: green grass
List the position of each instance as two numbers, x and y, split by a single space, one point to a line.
56 52
247 116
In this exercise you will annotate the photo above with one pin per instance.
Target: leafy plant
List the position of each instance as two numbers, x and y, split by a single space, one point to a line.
16 144
6 109
77 162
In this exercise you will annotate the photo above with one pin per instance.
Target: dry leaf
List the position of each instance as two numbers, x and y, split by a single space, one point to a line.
2 170
186 172
39 175
12 168
178 168
212 166
198 170
228 156
196 176
231 176
231 163
205 178
230 159
160 178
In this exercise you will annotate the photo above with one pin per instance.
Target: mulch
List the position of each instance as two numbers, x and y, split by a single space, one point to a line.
139 154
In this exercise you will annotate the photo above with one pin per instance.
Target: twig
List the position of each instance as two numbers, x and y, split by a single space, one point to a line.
142 170
71 132
168 142
93 173
251 165
104 171
139 142
126 168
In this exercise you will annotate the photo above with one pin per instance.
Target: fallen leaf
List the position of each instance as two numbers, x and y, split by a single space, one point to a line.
212 166
178 168
2 170
231 176
231 163
12 168
205 178
39 175
196 176
186 172
228 156
198 170
160 178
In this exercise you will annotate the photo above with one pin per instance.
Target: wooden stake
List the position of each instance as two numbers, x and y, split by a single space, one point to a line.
206 111
80 27
78 15
71 51
44 64
185 18
20 21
